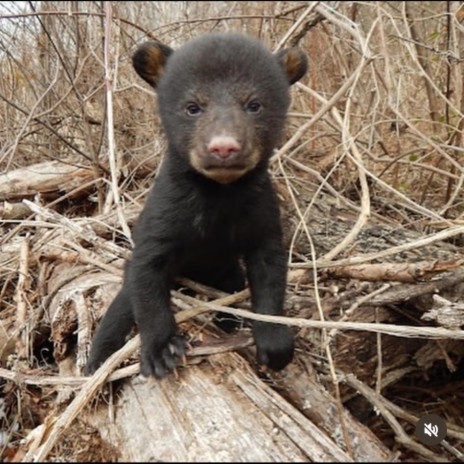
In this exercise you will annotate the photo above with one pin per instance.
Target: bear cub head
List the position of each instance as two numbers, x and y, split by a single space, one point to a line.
223 99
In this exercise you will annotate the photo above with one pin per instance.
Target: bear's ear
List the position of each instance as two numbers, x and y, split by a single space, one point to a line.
149 61
293 62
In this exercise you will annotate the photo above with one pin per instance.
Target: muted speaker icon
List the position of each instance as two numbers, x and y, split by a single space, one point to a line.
431 429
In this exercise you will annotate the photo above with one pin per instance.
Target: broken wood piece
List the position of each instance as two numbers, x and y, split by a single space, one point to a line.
50 176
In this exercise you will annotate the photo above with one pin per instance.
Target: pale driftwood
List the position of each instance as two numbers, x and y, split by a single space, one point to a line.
42 178
215 412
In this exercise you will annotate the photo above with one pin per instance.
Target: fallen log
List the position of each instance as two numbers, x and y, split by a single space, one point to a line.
51 176
196 418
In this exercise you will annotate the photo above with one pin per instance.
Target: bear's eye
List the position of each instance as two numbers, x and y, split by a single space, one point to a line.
254 106
193 109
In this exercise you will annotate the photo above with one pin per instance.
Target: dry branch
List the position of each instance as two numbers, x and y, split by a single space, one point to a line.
394 272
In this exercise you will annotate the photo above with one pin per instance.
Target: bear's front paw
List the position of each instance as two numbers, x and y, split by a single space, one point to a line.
274 344
159 359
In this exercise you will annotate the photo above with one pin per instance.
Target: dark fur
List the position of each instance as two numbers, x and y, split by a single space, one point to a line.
204 213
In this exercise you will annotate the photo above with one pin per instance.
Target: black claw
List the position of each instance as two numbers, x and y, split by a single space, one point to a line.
159 361
178 346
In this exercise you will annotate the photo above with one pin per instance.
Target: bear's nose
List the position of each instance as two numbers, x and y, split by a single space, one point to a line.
223 146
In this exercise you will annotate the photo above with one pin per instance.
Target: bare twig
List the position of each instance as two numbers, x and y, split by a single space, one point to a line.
115 164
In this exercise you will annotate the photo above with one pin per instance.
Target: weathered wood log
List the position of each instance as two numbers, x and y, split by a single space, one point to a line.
221 411
51 176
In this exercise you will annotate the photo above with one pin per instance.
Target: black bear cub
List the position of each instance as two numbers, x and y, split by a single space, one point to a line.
223 100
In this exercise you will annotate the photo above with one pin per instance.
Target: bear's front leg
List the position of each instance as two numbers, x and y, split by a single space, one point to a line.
267 274
150 282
